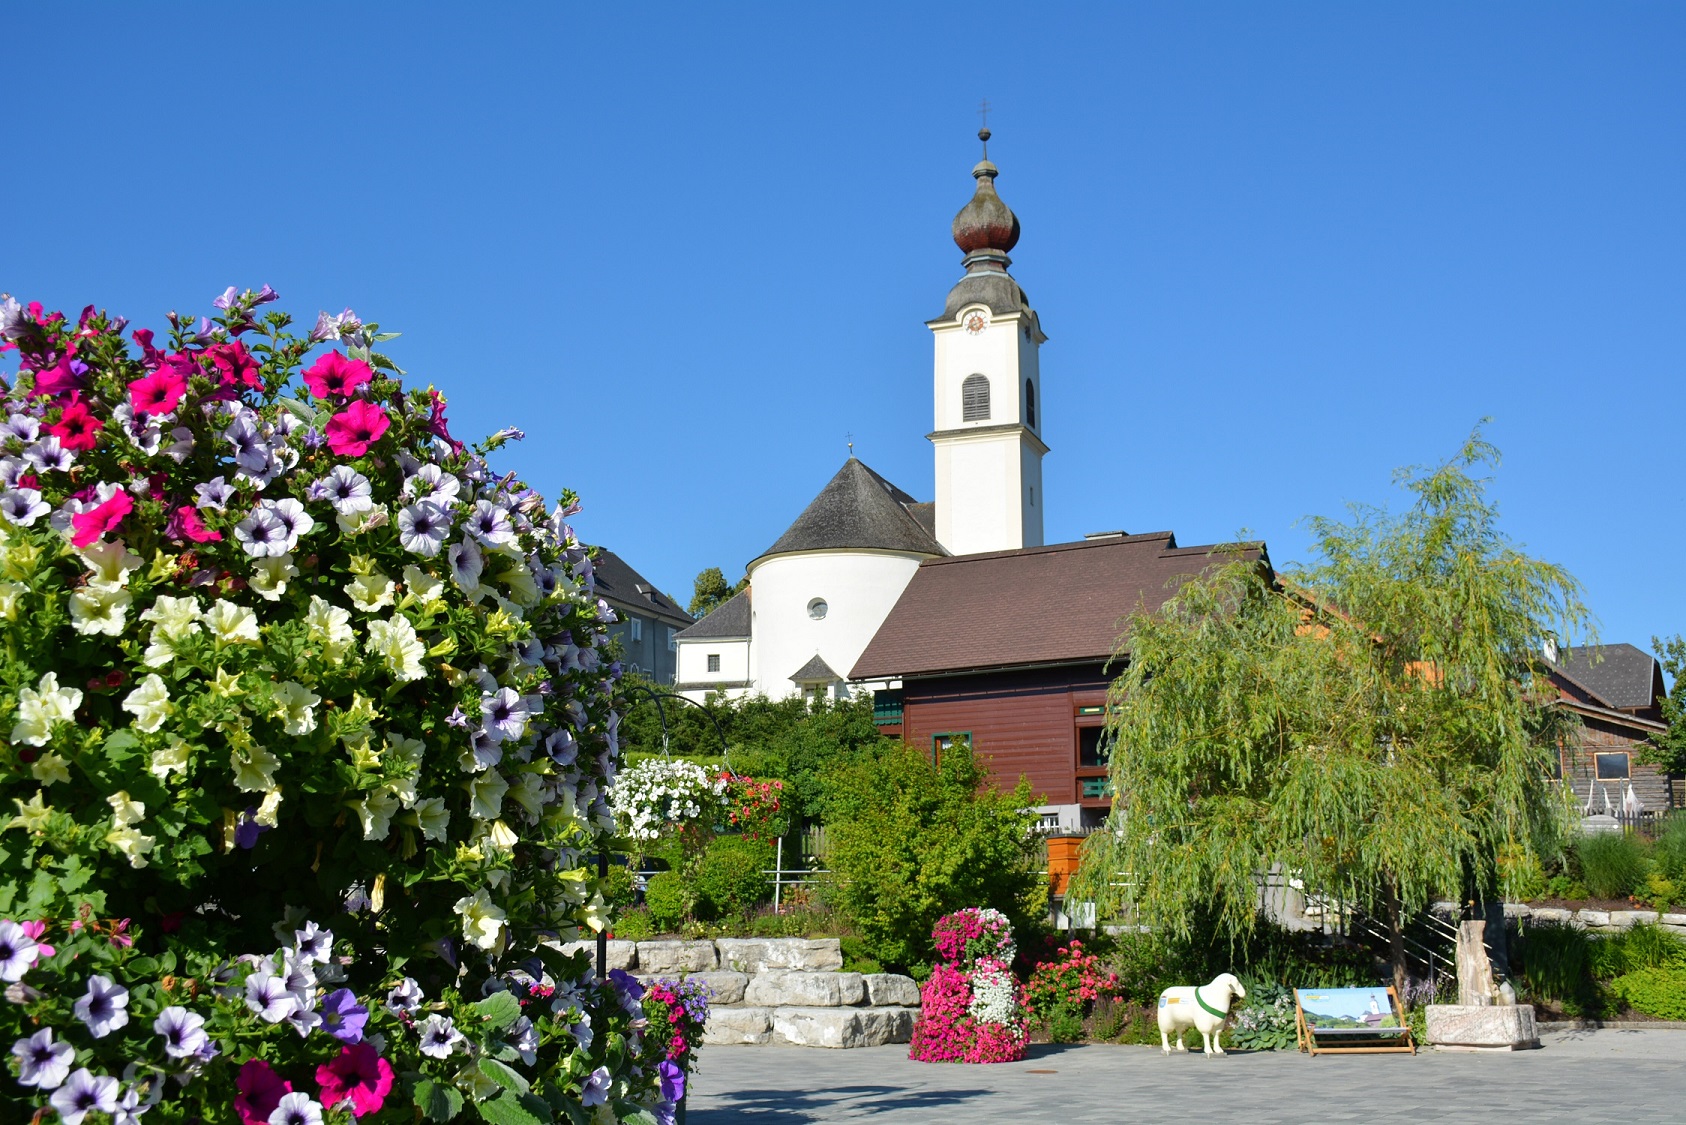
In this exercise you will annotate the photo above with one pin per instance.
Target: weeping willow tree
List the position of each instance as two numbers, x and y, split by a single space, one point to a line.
1375 722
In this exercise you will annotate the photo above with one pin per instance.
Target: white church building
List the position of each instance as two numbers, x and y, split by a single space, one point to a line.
818 595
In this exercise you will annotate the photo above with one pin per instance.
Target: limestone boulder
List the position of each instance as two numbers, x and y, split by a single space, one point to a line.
1593 919
1507 1027
727 987
758 955
792 988
1627 919
674 958
842 1027
621 954
1559 915
886 989
735 1026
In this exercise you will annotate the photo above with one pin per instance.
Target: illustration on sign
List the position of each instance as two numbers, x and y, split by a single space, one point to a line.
1349 1010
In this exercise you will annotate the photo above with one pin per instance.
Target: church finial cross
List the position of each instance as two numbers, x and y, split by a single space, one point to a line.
983 122
850 438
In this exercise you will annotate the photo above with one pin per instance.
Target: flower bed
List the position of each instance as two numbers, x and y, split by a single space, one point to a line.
310 732
971 1009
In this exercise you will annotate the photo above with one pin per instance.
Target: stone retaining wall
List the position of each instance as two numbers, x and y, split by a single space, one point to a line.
1598 921
779 990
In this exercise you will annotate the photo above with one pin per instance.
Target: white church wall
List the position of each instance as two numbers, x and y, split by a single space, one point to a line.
978 494
994 353
859 587
693 666
1030 480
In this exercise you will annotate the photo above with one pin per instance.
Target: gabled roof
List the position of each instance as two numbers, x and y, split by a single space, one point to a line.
816 671
619 584
730 620
1620 676
1064 604
857 508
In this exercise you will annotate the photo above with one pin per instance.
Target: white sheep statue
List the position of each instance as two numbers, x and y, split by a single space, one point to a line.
1204 1008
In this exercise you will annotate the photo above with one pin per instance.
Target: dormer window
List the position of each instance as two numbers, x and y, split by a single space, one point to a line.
974 399
1030 404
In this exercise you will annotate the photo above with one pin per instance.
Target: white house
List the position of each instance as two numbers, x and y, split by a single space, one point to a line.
817 596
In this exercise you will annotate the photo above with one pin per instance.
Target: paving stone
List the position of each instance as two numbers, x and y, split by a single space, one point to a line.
842 1027
757 955
789 987
883 989
669 958
1498 1026
622 954
736 1026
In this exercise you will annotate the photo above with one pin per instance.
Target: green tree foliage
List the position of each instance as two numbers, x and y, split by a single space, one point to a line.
1371 723
730 877
1670 752
911 841
711 591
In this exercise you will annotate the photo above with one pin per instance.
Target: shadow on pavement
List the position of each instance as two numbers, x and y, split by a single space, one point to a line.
798 1107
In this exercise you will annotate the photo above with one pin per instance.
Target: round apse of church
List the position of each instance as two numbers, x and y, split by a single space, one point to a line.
817 609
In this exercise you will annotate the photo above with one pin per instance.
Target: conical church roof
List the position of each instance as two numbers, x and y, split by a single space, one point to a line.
857 508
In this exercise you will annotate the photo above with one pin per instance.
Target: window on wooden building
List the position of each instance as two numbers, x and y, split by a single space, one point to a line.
943 743
1611 767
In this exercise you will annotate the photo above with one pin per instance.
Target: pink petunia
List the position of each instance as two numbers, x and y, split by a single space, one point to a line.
96 521
77 428
359 1074
235 365
260 1091
186 523
35 931
157 393
334 374
354 429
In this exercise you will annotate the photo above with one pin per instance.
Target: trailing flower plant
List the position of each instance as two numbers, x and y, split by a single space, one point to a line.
754 807
971 1007
676 1011
309 730
1069 983
658 795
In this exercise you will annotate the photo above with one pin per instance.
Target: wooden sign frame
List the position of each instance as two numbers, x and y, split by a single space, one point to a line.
1403 1043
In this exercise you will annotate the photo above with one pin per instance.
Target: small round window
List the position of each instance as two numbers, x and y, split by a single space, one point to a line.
817 609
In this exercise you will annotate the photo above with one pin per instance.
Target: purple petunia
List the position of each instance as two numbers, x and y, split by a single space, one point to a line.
104 1007
596 1088
18 951
84 1093
49 456
22 506
314 943
406 997
490 524
343 1017
439 1037
41 1062
267 995
183 1032
261 535
214 493
503 715
673 1081
346 489
466 564
422 528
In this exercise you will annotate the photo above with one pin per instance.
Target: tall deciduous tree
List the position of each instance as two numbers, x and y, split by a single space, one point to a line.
1376 723
711 590
1670 750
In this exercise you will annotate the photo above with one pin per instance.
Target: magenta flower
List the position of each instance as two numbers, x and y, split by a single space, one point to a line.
77 428
186 523
436 423
359 1075
260 1090
235 365
157 393
37 930
64 378
101 518
334 374
354 429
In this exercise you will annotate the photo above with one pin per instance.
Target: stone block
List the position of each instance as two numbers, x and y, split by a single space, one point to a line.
1627 919
672 958
728 987
732 1026
1518 910
790 988
1562 916
758 955
1673 920
885 989
622 954
1593 919
1506 1027
842 1027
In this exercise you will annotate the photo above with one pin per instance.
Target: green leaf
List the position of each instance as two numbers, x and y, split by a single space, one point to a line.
505 1076
630 1113
500 1009
436 1101
513 1109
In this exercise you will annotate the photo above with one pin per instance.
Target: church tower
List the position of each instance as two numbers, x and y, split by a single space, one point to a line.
988 388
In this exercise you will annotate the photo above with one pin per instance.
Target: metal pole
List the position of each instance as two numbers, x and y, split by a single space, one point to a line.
602 935
778 874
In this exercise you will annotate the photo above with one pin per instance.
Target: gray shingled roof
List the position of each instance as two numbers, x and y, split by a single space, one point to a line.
1624 678
814 672
729 619
618 582
857 508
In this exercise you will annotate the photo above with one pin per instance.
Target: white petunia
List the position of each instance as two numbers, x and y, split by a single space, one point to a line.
425 588
132 844
254 769
376 812
295 705
42 707
50 769
329 626
172 759
482 919
110 564
485 795
10 594
432 817
269 577
125 811
175 618
99 611
397 643
370 592
232 624
149 703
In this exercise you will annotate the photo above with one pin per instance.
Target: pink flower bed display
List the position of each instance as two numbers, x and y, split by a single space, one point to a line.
971 1009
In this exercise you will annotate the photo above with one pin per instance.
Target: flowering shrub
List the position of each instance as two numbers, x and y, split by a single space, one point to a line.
676 1011
1070 983
278 647
661 792
755 808
970 1008
1268 1022
973 935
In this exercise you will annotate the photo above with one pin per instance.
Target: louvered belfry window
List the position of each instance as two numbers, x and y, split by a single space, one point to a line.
1030 404
974 399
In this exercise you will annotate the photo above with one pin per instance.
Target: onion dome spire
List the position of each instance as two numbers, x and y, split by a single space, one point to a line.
986 228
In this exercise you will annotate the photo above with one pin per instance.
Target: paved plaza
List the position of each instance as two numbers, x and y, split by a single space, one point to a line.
1586 1077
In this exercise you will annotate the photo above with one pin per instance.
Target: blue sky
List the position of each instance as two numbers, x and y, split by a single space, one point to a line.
1279 249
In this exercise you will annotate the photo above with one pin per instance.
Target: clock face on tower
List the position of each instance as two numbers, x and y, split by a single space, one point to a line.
976 321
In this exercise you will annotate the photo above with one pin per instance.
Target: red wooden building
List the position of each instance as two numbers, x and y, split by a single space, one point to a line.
1009 650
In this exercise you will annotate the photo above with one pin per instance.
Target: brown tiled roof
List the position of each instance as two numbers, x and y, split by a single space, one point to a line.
1042 605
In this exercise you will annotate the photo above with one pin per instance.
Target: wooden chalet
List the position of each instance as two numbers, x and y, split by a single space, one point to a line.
1617 690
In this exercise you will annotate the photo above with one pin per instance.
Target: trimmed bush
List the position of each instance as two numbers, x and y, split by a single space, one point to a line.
668 900
1612 864
731 877
1642 947
1671 850
1653 992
